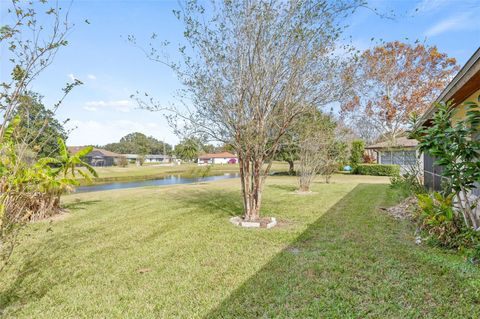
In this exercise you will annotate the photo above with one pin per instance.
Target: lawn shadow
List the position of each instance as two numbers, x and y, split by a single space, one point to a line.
24 287
346 264
29 281
222 203
80 204
287 188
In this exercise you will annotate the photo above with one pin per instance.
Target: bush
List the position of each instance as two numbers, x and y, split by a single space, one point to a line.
443 226
122 161
408 184
356 153
368 159
377 170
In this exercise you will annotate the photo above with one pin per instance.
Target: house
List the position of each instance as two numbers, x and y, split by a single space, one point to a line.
217 158
98 156
464 87
403 152
149 158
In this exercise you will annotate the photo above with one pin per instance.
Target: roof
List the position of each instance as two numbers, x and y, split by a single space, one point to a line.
464 84
146 156
400 142
218 155
75 149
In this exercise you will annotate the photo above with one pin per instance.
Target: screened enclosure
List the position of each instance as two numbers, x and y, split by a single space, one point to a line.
398 157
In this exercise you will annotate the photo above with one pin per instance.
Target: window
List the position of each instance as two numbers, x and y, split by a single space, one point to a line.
400 157
410 157
386 158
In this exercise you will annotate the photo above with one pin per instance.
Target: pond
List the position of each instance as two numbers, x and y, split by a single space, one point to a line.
168 180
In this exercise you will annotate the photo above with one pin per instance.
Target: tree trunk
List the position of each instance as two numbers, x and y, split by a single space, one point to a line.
291 168
251 180
327 179
304 188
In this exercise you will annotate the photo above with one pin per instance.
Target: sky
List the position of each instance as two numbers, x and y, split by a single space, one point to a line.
112 69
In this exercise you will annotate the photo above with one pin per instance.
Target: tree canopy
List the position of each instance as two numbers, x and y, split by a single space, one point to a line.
188 149
39 129
391 81
139 143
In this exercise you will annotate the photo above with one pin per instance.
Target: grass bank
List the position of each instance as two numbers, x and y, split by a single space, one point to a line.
170 252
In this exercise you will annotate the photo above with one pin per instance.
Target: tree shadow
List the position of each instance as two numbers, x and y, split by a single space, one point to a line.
80 204
26 286
348 263
219 202
287 188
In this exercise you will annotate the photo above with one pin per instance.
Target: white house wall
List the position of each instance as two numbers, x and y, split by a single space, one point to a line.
222 160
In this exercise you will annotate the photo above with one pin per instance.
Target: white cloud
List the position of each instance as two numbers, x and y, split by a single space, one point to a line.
462 21
431 5
91 77
90 108
71 77
124 106
103 132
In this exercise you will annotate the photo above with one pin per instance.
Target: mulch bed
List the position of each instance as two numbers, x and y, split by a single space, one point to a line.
404 210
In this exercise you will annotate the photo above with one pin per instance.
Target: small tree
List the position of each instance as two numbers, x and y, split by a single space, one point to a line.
122 161
288 152
316 148
334 156
456 148
188 149
356 153
141 159
249 69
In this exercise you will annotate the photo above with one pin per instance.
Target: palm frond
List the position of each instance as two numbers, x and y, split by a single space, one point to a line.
84 151
90 169
63 148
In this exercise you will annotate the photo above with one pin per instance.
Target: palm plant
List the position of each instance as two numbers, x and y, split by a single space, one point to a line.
60 178
70 164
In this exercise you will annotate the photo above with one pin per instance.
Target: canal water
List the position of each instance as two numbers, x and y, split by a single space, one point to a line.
168 180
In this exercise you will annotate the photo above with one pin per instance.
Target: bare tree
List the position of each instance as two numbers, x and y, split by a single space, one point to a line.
319 149
249 69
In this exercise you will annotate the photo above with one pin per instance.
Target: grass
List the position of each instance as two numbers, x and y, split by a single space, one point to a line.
170 252
133 172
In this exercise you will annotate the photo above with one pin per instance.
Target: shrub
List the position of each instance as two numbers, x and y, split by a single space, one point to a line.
377 170
454 149
445 227
122 161
356 153
368 159
407 184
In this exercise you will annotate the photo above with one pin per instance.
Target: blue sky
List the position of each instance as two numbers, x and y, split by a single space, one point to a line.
112 69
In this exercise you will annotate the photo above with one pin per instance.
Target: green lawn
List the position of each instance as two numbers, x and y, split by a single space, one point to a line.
170 252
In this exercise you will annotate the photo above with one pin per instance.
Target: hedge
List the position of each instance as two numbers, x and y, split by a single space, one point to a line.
377 169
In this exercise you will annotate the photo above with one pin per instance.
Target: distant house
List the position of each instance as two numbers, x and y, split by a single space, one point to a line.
149 158
98 156
402 152
218 158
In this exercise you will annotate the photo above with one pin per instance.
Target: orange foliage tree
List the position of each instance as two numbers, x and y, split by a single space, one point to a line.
391 81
